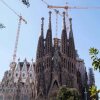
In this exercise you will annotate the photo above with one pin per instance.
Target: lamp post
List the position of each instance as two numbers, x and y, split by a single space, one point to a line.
85 94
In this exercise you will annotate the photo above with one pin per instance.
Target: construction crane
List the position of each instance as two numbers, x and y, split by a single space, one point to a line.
26 2
13 63
55 8
72 7
67 7
1 26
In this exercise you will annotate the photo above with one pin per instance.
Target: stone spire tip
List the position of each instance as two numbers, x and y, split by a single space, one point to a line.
50 19
42 24
64 23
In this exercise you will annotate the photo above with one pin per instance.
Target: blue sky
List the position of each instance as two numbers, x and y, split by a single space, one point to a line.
86 29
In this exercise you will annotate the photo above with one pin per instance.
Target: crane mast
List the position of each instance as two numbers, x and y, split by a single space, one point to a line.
13 63
17 37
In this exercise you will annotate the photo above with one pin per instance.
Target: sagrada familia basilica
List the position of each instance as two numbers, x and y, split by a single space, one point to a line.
57 64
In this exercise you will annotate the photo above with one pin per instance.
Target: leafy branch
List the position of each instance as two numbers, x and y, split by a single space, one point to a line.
95 60
93 91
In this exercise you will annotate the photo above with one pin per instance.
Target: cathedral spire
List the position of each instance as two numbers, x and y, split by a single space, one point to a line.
71 31
50 20
64 23
71 41
42 25
64 37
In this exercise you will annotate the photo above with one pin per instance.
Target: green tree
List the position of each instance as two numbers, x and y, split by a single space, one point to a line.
65 93
95 59
96 65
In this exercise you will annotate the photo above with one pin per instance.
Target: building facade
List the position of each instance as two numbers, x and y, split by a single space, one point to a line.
56 65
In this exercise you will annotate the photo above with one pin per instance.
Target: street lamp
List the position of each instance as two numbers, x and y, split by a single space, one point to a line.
85 94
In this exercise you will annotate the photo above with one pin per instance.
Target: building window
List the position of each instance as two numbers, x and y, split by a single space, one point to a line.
30 75
16 74
64 63
68 66
9 74
23 75
72 67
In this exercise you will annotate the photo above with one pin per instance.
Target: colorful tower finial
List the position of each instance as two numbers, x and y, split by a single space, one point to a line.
64 23
50 20
42 25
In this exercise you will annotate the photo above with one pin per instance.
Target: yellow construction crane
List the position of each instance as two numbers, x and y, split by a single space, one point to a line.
55 8
67 7
72 7
13 63
26 2
1 26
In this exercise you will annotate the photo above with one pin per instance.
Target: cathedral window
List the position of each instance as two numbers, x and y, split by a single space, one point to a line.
64 50
64 62
38 70
17 97
16 74
9 74
68 65
72 67
30 75
23 75
68 52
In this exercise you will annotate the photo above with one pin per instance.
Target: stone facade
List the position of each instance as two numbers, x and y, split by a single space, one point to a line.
20 83
56 65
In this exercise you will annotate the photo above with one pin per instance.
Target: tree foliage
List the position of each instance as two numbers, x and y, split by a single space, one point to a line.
95 59
93 92
96 64
65 93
